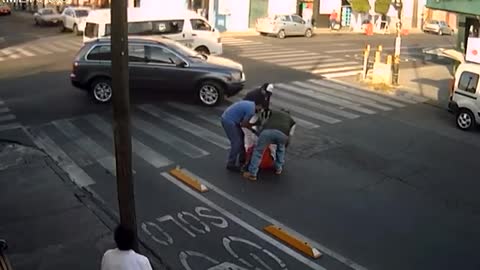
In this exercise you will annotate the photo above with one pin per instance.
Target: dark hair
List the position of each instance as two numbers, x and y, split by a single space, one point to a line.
124 238
259 101
264 86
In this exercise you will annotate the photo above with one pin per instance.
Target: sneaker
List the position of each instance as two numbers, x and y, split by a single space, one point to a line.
249 176
278 171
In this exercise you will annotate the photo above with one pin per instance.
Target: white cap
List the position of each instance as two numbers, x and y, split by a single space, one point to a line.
269 88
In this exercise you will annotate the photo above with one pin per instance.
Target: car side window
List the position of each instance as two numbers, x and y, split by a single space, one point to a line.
199 24
136 53
297 19
285 18
100 53
161 55
468 82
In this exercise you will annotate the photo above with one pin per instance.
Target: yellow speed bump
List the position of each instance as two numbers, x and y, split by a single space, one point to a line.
300 245
188 180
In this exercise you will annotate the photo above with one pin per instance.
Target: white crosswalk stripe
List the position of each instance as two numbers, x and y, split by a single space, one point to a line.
8 120
195 132
327 66
36 48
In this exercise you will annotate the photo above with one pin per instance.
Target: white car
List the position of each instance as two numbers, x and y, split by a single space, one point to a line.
74 19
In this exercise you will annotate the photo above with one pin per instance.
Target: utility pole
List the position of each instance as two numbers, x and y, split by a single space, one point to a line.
121 115
398 42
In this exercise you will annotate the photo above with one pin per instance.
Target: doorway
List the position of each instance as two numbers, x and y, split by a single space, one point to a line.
258 9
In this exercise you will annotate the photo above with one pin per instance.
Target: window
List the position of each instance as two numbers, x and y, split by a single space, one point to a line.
136 53
168 27
198 24
151 28
283 18
297 19
161 55
468 82
81 13
68 12
91 30
46 12
100 53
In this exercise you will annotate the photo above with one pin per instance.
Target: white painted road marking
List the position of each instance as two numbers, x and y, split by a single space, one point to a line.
244 224
270 220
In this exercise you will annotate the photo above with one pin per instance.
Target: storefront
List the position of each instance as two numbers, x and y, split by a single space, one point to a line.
468 14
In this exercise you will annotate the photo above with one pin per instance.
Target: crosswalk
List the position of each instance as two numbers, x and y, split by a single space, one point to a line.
7 119
188 132
327 66
39 48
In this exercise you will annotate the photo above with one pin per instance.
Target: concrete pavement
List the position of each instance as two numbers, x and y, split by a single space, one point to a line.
48 222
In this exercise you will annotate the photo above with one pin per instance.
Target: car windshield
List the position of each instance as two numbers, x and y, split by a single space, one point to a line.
187 52
47 12
81 12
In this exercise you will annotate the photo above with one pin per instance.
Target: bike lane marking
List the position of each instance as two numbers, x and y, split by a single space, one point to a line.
243 224
275 222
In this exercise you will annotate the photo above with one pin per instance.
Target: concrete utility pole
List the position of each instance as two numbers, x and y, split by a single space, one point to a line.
121 114
398 42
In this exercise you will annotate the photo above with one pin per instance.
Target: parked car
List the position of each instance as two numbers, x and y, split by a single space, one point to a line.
158 63
74 19
283 26
438 27
5 9
47 16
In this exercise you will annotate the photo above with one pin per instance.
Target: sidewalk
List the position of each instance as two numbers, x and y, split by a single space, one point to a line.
253 32
47 221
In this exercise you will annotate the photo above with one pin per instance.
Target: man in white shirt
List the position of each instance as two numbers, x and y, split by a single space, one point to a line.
124 257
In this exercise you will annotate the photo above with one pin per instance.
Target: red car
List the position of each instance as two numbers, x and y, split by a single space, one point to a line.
4 9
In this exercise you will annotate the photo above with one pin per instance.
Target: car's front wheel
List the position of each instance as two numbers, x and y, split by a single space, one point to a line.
465 120
210 93
281 34
203 50
101 90
308 33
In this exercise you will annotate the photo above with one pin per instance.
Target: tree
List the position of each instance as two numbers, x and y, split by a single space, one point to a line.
360 6
382 6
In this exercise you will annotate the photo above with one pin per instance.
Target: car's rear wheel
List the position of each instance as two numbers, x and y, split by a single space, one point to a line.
308 33
465 120
101 90
203 50
210 93
281 34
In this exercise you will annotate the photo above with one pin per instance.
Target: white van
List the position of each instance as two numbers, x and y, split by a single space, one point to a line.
186 27
465 96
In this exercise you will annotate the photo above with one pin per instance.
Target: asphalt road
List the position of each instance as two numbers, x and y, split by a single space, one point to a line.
372 181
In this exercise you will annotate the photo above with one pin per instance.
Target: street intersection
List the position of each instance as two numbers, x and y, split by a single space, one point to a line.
372 180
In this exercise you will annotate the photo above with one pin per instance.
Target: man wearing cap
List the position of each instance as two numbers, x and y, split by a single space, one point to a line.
264 92
277 130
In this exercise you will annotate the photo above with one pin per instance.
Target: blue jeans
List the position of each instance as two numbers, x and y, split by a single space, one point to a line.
237 146
267 137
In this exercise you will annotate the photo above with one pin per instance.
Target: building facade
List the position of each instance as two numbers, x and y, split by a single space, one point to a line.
467 13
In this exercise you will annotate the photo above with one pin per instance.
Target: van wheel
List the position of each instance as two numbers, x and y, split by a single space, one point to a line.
202 50
210 93
101 90
281 34
465 120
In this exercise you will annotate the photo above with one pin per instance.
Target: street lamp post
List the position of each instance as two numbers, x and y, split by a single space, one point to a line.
398 41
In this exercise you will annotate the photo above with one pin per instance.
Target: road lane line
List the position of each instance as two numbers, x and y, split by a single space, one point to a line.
337 69
4 110
244 224
315 67
146 153
362 93
341 74
198 113
10 126
7 117
102 156
25 52
187 126
314 104
326 98
361 100
176 142
9 53
271 220
271 52
78 176
283 56
39 50
303 60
